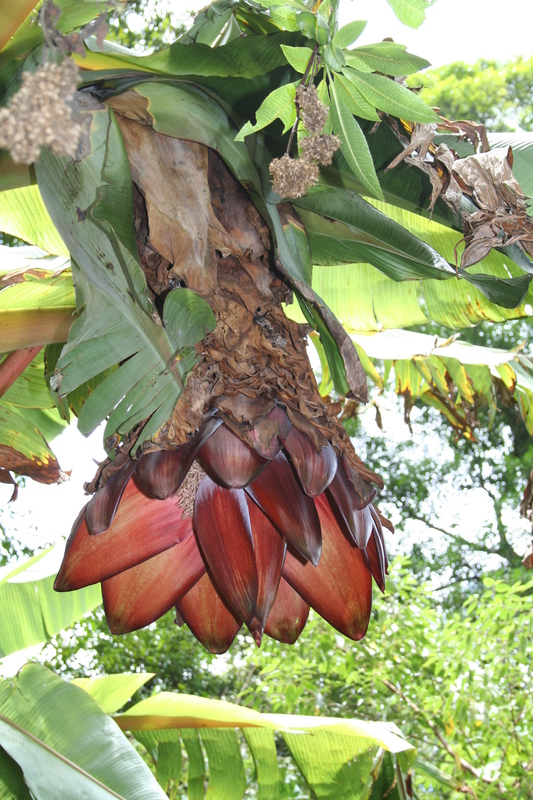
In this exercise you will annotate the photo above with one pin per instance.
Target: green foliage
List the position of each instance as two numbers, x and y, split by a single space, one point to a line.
108 276
174 655
65 744
411 12
147 25
58 741
495 93
33 612
458 683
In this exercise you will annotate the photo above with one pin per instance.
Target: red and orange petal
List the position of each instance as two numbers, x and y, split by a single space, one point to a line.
160 474
229 461
224 533
277 492
142 528
288 615
339 588
209 616
102 506
140 595
149 559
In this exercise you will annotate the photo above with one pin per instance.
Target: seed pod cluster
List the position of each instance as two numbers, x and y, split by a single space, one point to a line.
292 177
40 114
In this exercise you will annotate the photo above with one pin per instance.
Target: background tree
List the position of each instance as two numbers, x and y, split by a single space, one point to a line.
148 25
496 93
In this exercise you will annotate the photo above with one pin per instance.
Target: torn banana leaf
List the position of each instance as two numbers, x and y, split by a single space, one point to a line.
91 205
28 421
453 376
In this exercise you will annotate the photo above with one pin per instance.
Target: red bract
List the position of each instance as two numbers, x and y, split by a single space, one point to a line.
249 542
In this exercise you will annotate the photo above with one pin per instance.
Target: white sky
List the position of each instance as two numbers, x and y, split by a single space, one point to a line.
454 30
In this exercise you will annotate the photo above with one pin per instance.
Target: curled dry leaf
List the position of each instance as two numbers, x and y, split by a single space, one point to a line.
503 219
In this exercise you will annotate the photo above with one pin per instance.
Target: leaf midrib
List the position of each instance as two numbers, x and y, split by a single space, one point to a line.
59 756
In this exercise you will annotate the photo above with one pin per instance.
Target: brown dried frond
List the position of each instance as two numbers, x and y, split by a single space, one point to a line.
292 177
313 112
320 148
188 489
40 114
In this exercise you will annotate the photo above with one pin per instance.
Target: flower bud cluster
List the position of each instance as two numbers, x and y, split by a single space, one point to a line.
292 177
40 114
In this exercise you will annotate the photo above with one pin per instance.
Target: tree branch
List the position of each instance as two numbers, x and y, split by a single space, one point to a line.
465 765
457 536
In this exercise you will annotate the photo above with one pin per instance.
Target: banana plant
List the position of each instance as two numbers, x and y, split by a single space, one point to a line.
260 159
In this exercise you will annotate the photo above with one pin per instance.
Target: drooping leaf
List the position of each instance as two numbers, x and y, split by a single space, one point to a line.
65 744
353 144
331 350
452 375
280 104
33 612
222 748
263 748
372 236
196 770
342 770
387 57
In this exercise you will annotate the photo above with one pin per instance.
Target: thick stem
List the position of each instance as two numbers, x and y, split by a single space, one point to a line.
14 365
310 64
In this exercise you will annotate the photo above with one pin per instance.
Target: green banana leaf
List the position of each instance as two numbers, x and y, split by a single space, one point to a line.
23 214
36 299
339 758
28 421
112 692
57 741
36 306
31 611
65 745
344 228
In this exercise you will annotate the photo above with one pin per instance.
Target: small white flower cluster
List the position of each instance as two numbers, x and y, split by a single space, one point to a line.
40 114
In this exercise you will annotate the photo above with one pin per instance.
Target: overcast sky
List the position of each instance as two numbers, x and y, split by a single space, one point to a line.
454 30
